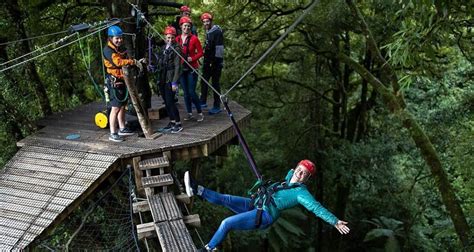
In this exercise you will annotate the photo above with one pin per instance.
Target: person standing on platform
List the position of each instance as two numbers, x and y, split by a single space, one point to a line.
213 61
185 12
115 57
169 72
191 50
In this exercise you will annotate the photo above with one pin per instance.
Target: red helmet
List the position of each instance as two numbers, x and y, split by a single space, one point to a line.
185 19
206 15
308 165
185 8
170 30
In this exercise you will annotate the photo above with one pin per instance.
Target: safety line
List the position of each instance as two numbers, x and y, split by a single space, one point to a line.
60 47
297 21
31 38
39 49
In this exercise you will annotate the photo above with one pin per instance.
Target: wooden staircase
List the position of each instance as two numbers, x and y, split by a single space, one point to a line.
168 221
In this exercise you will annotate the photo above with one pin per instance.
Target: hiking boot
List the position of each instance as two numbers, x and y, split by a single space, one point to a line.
214 110
190 185
125 132
200 117
167 128
189 117
115 137
176 128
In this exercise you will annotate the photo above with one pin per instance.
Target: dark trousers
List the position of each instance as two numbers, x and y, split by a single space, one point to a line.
188 82
211 71
168 96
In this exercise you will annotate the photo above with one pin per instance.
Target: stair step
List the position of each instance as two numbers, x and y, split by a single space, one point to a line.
153 163
158 180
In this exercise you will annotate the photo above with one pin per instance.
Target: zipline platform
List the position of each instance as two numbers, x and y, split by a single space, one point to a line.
50 176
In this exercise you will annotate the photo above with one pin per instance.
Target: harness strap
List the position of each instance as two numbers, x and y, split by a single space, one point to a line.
264 196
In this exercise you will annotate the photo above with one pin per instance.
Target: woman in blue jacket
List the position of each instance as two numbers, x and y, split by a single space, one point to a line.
286 194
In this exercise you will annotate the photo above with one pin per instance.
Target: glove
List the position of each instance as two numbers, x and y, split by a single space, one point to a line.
138 64
174 86
143 60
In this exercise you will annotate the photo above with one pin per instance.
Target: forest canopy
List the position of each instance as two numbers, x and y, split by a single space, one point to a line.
380 94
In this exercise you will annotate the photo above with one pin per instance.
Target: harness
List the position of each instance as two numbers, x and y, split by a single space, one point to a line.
263 196
186 55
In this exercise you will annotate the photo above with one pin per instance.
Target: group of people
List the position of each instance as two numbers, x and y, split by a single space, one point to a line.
178 61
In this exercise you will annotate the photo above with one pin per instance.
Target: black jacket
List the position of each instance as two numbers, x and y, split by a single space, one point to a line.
214 45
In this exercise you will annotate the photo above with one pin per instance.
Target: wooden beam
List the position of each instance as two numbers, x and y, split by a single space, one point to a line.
192 220
146 230
138 176
141 206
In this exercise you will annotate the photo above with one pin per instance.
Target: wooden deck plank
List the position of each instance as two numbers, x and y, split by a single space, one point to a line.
68 170
38 220
25 193
158 180
73 178
63 190
157 209
62 185
7 240
165 235
99 146
30 202
65 159
182 236
73 153
37 212
153 163
17 228
171 206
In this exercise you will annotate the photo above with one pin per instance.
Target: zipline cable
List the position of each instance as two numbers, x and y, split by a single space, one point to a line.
31 38
39 49
60 47
297 21
142 17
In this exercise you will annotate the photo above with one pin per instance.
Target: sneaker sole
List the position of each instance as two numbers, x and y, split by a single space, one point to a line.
176 131
126 134
116 140
187 184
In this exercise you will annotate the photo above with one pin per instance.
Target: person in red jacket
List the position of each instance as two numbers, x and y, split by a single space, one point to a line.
192 52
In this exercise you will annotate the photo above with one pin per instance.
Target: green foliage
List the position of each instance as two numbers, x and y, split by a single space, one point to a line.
293 98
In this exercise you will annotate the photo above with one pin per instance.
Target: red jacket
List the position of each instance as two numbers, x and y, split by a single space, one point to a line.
192 48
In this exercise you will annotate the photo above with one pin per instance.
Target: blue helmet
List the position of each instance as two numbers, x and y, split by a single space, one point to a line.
114 31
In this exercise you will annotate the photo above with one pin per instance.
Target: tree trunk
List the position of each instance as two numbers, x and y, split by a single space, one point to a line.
425 146
30 69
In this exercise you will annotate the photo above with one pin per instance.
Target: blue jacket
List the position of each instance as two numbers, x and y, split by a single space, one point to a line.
289 198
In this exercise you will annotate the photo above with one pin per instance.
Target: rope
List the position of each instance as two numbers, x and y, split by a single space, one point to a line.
39 49
178 53
60 47
195 229
88 67
297 21
31 38
130 200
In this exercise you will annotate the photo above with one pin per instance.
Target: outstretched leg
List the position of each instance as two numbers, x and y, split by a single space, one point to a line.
241 221
234 203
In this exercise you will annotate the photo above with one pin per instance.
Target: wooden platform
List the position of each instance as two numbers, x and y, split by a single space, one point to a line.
50 175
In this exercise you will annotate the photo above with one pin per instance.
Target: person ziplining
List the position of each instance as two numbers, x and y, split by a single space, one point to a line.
262 209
